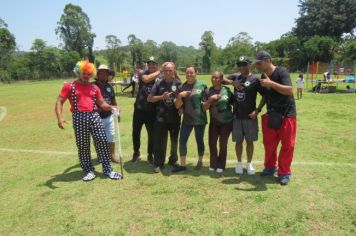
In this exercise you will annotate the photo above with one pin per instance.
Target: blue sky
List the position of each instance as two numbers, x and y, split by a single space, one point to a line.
182 22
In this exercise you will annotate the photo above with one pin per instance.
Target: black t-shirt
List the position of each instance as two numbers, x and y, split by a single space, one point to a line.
245 98
166 110
283 104
108 93
144 89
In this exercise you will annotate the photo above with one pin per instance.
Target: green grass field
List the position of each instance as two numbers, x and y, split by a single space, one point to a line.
41 191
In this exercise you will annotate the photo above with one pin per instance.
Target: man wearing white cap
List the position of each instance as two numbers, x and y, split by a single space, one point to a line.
108 93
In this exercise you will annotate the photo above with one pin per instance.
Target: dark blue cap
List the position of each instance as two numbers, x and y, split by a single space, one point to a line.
263 55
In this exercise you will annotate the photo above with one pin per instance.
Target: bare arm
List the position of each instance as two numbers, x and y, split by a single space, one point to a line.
207 104
179 101
227 81
105 106
158 98
262 104
282 89
58 109
150 77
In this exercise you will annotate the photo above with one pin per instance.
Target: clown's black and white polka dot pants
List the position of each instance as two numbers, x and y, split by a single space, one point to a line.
86 124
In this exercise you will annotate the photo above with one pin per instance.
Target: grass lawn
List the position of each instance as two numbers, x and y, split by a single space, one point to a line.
41 191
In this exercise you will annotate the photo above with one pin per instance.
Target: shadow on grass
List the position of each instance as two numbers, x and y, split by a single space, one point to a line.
140 166
144 167
68 175
258 182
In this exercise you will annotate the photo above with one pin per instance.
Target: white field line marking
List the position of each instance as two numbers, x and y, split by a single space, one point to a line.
3 112
61 153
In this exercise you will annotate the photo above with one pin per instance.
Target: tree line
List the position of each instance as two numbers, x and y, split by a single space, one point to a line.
324 31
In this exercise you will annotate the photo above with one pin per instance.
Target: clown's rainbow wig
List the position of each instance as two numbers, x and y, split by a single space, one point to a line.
84 68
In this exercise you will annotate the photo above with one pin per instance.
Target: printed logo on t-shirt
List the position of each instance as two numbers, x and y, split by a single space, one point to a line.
240 96
148 90
174 88
247 83
108 89
107 99
169 101
196 91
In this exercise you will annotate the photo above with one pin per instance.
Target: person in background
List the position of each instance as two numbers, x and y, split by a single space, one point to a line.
194 117
124 74
84 98
327 76
133 81
349 89
279 125
300 85
106 116
144 111
245 123
218 100
167 120
111 75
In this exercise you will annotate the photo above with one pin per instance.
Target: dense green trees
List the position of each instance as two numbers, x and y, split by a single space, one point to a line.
324 31
331 18
74 29
209 48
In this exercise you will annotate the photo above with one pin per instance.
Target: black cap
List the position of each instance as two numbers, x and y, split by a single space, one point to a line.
263 55
151 59
243 60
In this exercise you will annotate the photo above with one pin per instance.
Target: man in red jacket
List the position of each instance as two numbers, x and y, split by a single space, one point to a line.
84 98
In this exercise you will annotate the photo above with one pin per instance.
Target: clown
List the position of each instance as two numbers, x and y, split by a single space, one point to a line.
85 98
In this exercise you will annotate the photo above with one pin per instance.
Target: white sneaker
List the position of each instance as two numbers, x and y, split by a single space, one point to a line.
89 176
239 169
114 175
211 169
250 169
157 169
219 170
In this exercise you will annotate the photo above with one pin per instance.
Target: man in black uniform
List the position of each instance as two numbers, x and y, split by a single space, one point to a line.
107 119
164 93
144 111
245 123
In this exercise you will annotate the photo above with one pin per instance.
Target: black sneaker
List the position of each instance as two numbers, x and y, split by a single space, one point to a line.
135 157
150 159
199 165
173 164
179 168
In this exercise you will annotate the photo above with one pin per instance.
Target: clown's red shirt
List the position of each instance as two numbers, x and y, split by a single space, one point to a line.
84 93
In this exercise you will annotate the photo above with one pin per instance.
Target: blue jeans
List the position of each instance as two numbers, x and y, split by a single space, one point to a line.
185 131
